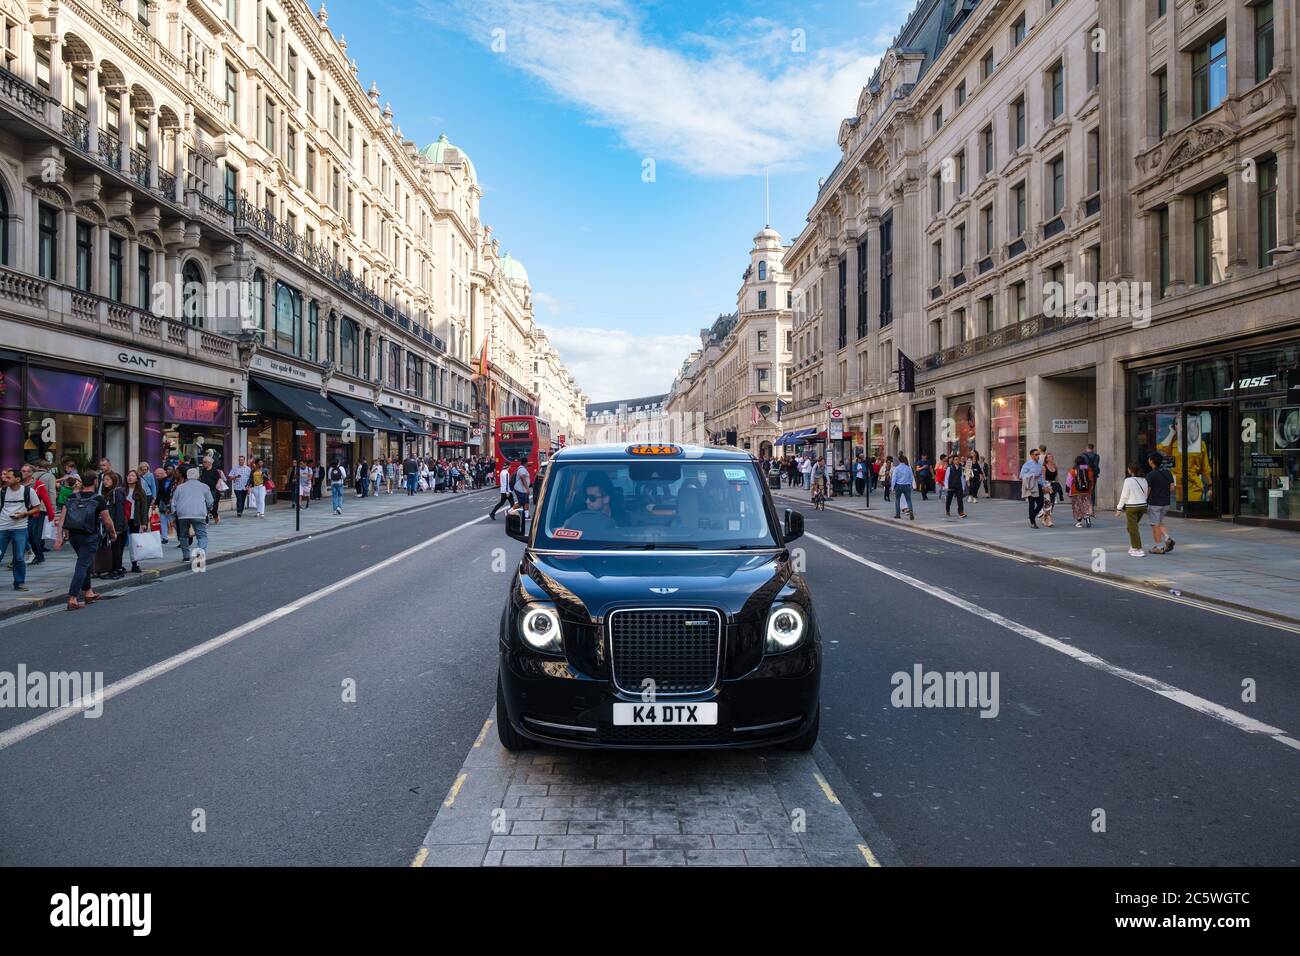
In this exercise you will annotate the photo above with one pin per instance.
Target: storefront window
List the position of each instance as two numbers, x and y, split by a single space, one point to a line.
1007 453
1209 380
1269 461
963 429
1155 386
54 437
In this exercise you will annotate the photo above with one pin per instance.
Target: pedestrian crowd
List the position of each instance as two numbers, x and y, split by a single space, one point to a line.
107 518
960 477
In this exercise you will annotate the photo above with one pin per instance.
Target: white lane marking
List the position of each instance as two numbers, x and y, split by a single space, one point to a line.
58 608
34 726
1231 717
1145 590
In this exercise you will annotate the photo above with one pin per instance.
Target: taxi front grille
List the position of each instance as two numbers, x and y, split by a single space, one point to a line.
677 648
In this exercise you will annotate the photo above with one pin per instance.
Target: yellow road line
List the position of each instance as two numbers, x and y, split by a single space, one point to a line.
826 789
455 790
420 857
871 857
482 734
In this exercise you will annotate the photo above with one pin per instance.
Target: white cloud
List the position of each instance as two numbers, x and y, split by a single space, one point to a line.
610 364
722 105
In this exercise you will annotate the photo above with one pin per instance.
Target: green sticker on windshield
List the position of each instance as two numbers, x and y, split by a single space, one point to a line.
735 474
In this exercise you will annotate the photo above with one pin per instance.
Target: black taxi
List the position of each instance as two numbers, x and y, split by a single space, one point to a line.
657 606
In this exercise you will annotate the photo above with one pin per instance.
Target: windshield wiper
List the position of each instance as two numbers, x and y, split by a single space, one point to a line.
654 546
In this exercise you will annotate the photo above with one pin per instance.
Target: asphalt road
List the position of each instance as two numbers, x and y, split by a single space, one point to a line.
257 735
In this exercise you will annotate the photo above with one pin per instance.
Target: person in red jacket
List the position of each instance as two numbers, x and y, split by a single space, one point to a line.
36 525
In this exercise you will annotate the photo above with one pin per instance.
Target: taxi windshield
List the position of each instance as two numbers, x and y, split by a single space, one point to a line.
659 503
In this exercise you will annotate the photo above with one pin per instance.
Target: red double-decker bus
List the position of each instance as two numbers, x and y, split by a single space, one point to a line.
525 438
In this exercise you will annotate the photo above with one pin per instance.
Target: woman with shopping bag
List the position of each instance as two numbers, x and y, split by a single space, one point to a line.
137 514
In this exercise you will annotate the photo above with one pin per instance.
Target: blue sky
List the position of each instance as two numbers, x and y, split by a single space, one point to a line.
560 118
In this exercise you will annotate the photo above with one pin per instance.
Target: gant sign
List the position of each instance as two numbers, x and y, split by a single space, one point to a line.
137 360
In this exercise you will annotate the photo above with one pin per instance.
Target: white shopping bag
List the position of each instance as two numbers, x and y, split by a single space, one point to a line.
49 532
146 546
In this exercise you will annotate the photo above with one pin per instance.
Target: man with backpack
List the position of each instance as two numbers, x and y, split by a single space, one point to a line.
17 504
83 514
337 474
523 485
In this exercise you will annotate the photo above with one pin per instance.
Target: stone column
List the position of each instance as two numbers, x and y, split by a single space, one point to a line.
99 265
1181 245
131 273
178 164
153 149
124 127
93 106
172 276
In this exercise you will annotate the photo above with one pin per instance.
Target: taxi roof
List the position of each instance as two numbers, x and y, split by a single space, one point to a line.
619 453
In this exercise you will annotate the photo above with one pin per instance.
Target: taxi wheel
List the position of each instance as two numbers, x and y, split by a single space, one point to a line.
806 740
510 739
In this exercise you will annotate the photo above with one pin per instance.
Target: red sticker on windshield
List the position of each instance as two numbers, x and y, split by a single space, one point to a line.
571 533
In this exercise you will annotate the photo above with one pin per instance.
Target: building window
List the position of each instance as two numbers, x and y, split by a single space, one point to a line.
986 316
762 379
269 38
936 193
987 150
762 270
843 270
987 65
762 341
144 279
961 92
938 119
232 95
762 300
85 255
1209 76
1018 31
288 320
1267 211
313 332
192 294
258 299
964 333
231 182
349 354
115 257
959 234
268 134
1056 83
936 261
886 270
1056 184
1162 103
48 243
863 278
960 160
331 326
1094 162
310 95
1018 122
936 335
309 174
1018 210
291 150
986 231
1094 56
291 70
1211 231
1263 41
1019 293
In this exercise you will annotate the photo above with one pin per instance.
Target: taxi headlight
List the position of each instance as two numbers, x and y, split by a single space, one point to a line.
540 627
785 628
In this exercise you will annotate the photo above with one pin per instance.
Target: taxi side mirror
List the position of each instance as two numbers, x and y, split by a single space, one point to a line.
793 526
515 527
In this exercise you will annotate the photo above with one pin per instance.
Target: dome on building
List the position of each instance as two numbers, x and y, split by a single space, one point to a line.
512 269
444 151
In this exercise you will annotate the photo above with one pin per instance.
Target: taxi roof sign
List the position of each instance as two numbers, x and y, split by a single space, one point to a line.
654 450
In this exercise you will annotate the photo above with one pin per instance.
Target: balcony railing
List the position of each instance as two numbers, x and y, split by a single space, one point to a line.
110 149
77 130
1022 331
27 295
140 168
17 91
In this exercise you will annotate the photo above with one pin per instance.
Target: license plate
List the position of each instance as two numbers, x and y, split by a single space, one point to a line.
659 715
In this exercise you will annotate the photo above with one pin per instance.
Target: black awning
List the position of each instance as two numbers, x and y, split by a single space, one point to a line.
290 401
366 414
407 424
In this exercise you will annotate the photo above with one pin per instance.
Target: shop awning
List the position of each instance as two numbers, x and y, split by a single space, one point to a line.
798 435
290 401
366 414
406 423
